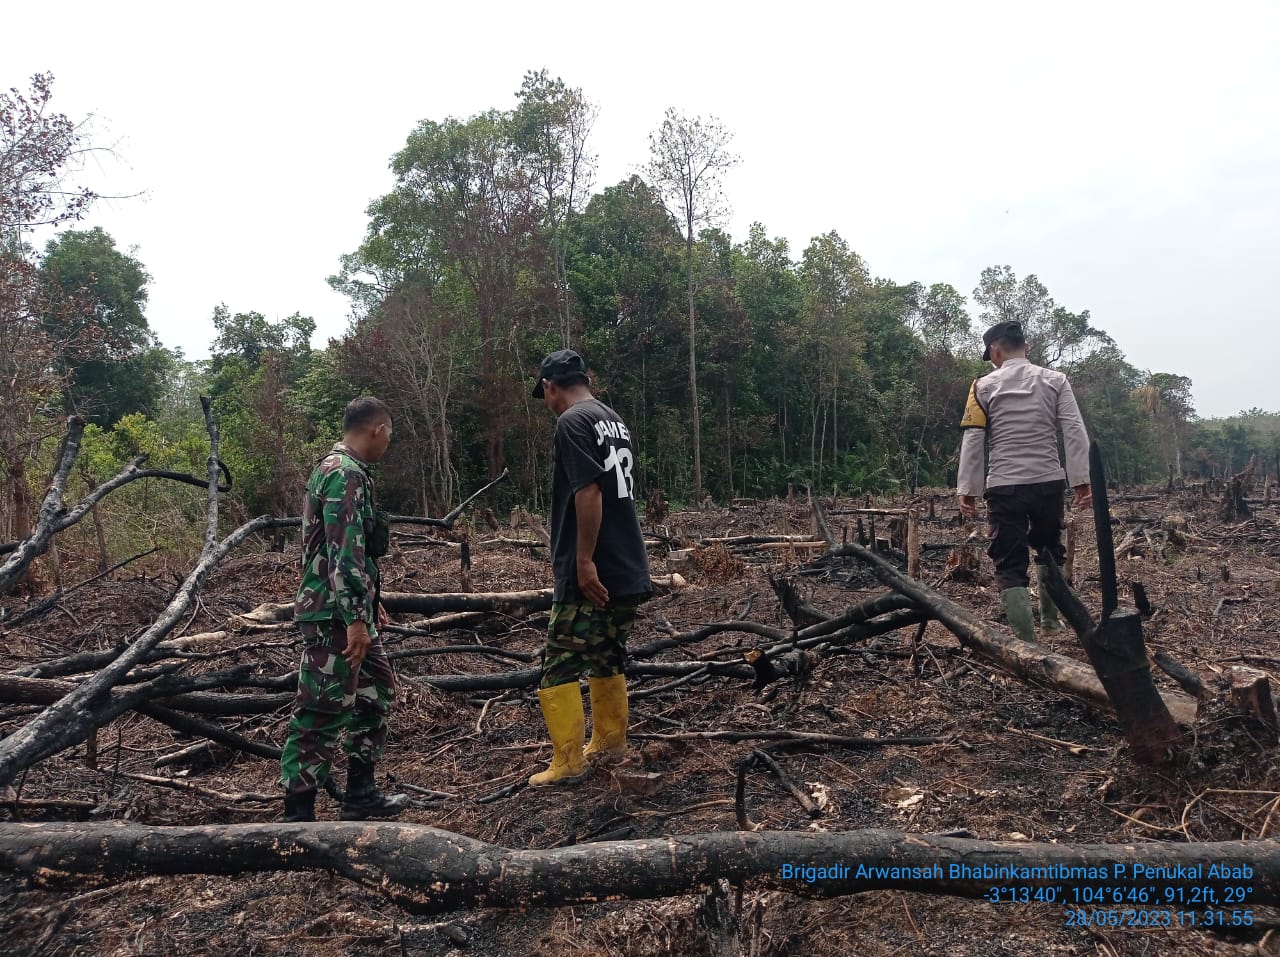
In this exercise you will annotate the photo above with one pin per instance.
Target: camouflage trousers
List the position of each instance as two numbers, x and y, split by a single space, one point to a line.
332 700
585 637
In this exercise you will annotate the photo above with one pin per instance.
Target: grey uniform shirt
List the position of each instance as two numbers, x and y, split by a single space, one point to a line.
1014 414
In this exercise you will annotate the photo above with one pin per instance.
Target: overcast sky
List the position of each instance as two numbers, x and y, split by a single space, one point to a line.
1126 153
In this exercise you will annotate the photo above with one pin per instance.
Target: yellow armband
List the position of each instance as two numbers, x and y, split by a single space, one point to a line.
975 416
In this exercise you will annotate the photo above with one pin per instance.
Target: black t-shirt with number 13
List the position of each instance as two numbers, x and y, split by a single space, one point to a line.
593 445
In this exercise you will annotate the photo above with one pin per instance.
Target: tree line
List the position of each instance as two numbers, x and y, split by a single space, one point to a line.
743 366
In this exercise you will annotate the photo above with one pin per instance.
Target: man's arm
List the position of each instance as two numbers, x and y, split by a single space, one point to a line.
973 448
1076 440
588 503
345 499
971 481
1074 436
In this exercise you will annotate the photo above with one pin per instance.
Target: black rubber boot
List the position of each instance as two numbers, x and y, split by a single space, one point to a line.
364 800
300 807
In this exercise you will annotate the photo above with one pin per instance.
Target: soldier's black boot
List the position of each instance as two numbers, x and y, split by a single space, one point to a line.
363 799
300 806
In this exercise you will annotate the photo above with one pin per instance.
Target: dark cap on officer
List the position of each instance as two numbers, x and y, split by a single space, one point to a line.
1009 331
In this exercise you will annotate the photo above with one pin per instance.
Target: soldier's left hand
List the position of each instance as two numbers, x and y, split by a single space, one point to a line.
357 644
383 618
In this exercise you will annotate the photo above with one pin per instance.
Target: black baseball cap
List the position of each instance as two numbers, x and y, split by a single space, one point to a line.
558 365
1009 329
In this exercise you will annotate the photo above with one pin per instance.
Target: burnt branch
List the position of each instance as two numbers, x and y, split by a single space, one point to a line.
37 542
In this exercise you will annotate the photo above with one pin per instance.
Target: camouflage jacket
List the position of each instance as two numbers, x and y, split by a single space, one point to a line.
339 580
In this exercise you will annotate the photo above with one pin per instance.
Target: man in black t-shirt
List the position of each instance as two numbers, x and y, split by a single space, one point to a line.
601 572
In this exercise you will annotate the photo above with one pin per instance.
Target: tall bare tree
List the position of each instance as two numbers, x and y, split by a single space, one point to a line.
40 151
688 156
1053 333
835 283
424 346
551 126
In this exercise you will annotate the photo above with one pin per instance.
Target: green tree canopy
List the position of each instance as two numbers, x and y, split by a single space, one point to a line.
1053 334
119 367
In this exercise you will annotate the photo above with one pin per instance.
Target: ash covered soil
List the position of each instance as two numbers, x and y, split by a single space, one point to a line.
1021 762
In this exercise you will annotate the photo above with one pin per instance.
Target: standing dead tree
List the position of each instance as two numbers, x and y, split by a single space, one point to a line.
1114 645
1236 489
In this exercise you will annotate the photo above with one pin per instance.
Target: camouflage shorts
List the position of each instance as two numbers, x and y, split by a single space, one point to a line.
584 637
330 701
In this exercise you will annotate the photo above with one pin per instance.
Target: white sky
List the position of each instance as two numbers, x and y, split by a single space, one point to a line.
1127 153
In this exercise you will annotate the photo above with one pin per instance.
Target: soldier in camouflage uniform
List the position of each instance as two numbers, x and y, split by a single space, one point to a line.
345 682
601 572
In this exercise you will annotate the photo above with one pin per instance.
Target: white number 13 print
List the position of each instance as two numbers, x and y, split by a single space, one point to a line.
620 461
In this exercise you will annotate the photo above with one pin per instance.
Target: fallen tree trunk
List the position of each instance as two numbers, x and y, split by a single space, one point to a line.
538 599
187 692
451 519
170 691
534 600
785 739
431 627
858 631
762 540
1180 673
1012 654
266 618
193 727
805 637
47 691
859 614
426 870
528 677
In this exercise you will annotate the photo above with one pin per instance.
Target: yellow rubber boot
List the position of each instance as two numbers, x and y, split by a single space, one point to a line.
567 726
608 719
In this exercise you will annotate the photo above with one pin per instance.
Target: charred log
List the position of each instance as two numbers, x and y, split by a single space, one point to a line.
1013 655
425 870
1119 657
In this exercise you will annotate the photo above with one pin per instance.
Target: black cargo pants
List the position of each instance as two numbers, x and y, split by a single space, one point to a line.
1025 516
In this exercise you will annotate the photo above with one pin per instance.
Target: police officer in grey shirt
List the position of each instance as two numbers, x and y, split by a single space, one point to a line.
1012 417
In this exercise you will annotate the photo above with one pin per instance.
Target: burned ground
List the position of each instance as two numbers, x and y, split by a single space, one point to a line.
1019 762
